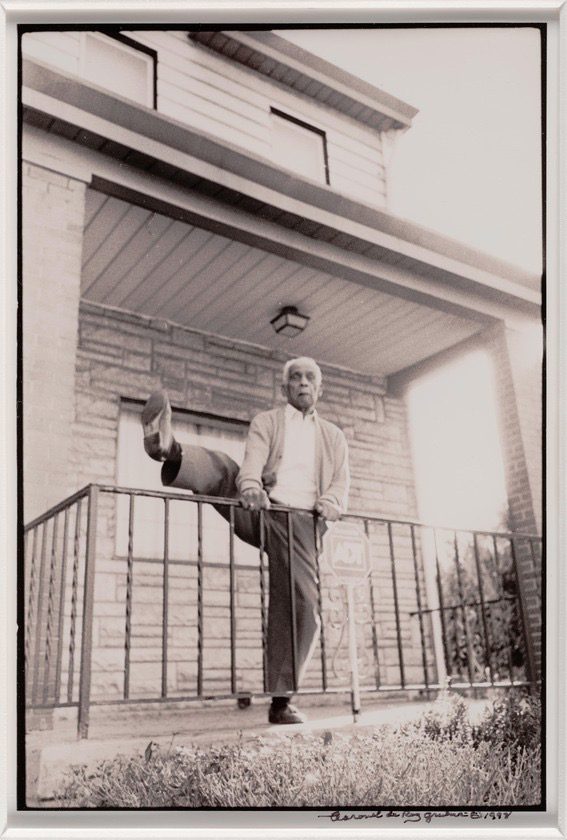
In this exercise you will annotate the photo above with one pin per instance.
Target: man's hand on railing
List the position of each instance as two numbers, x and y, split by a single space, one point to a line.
327 510
254 499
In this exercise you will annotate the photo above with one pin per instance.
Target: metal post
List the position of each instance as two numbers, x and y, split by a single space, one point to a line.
355 690
199 598
50 596
165 608
396 606
74 590
448 667
522 606
88 607
39 618
488 659
463 610
232 605
291 558
502 598
419 606
263 605
373 613
61 606
129 584
320 604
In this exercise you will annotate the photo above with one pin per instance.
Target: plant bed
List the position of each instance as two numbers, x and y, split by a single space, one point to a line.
440 761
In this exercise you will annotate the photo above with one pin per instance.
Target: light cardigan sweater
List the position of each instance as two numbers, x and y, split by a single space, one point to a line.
264 449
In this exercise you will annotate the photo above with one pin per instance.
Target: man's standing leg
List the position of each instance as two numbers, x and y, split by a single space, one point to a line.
287 662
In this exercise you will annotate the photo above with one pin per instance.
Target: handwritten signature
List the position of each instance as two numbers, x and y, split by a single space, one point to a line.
416 816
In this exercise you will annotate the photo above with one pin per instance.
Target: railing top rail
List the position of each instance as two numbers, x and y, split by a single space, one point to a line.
70 500
184 497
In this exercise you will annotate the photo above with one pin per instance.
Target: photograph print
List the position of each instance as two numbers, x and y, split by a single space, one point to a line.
281 419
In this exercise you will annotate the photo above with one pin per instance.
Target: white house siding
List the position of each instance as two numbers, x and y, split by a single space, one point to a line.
60 49
232 103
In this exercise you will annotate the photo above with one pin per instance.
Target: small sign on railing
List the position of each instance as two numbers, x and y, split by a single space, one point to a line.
348 554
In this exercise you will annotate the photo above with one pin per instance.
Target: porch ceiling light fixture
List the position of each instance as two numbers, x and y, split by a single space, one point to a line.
289 321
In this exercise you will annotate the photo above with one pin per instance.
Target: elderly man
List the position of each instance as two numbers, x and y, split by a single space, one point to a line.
293 457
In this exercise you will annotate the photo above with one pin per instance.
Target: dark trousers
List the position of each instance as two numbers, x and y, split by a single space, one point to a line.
213 473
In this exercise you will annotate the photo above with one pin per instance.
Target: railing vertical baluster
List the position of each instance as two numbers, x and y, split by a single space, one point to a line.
463 609
50 595
263 605
31 603
199 598
396 607
62 583
316 542
129 588
536 571
520 597
165 607
488 658
373 613
444 636
291 561
503 599
74 596
39 618
88 607
419 607
232 606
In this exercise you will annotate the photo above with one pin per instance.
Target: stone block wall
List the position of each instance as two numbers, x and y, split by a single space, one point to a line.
52 237
125 356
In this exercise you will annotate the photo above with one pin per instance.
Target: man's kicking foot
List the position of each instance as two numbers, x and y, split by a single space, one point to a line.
156 423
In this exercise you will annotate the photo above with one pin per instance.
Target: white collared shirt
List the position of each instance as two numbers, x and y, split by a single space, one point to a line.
295 481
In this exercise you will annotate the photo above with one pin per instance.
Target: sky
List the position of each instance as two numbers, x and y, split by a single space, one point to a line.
469 166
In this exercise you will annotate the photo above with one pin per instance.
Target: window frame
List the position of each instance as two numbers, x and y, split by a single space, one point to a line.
198 418
125 42
319 131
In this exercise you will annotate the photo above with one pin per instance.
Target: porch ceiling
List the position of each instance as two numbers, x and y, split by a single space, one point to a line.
157 266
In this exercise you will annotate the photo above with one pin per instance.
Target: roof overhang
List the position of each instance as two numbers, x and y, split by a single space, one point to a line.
287 64
375 247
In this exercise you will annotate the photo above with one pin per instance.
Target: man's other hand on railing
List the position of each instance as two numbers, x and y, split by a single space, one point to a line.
327 510
254 498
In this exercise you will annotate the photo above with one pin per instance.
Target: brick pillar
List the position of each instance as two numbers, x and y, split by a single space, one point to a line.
52 235
517 359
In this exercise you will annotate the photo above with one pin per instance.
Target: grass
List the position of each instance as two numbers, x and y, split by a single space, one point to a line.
442 761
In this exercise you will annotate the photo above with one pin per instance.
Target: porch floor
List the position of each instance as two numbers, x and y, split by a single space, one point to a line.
51 753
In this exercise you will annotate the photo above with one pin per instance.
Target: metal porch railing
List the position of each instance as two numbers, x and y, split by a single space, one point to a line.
109 621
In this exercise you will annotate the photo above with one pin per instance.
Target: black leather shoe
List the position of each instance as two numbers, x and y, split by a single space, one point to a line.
289 714
156 423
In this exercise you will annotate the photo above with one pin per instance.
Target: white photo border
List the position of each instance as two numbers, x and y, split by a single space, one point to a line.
276 824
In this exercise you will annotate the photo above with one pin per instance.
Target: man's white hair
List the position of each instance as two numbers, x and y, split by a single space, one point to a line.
302 360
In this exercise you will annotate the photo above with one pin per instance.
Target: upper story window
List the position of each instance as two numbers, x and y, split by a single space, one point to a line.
121 65
298 146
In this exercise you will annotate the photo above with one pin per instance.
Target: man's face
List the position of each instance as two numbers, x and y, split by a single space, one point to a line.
303 388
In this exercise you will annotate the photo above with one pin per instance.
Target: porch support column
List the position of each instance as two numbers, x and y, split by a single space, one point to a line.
517 359
52 237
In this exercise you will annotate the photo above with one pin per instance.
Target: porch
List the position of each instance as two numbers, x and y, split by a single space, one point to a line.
108 625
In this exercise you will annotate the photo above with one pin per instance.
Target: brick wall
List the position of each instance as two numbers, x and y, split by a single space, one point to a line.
121 355
518 367
52 235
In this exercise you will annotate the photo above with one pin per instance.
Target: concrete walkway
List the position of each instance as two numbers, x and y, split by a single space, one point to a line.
128 731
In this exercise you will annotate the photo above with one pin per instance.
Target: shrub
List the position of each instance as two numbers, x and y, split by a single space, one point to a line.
514 722
387 769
